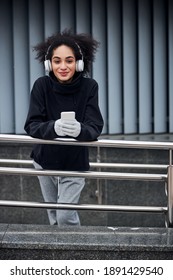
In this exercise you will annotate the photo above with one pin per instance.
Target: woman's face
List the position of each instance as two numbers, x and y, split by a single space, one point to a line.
63 64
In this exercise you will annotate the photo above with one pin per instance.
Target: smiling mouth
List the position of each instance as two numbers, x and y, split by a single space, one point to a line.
63 73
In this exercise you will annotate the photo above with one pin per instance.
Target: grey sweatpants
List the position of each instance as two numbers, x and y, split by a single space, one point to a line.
61 190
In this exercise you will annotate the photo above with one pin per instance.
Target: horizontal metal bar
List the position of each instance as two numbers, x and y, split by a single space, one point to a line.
16 161
94 164
12 138
128 165
121 208
86 174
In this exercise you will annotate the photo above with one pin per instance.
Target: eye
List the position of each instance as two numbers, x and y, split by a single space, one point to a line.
69 61
56 61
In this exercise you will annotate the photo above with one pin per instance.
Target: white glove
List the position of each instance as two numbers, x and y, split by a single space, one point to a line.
58 127
71 128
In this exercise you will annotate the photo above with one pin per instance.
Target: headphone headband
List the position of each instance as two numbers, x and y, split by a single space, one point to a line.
80 51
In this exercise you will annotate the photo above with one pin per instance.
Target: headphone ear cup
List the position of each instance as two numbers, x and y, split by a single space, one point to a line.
47 65
79 65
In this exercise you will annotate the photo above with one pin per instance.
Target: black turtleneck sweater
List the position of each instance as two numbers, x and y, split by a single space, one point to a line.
48 99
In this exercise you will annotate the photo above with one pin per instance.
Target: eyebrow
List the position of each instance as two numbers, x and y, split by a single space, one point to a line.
60 57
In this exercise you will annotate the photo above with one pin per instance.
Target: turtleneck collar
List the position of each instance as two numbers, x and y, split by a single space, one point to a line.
66 88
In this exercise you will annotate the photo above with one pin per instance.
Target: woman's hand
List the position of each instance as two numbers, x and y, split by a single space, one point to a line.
67 128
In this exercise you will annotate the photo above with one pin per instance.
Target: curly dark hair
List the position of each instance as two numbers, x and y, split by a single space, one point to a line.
76 42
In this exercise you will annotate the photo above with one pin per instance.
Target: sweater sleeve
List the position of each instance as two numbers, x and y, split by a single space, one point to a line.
92 125
36 124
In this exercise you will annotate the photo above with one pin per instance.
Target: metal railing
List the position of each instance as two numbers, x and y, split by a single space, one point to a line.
166 177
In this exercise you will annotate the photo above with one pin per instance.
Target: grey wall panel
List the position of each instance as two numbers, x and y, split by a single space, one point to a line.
170 64
21 73
67 14
51 17
36 35
7 121
144 77
83 16
160 66
114 72
129 66
100 66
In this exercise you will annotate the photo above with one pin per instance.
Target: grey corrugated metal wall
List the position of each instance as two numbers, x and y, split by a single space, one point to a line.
134 65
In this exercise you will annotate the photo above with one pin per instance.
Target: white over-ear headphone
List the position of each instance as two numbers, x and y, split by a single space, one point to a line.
47 65
79 63
47 62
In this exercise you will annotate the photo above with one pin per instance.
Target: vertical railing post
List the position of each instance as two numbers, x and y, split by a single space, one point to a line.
170 157
99 186
170 191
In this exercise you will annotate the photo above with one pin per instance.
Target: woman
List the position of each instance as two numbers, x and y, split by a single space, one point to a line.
67 58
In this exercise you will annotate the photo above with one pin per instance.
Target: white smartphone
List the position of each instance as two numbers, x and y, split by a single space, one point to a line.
68 116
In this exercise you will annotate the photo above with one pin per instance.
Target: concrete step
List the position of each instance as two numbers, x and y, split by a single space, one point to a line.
29 241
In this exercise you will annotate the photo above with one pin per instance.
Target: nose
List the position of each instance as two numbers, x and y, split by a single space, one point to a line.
63 65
